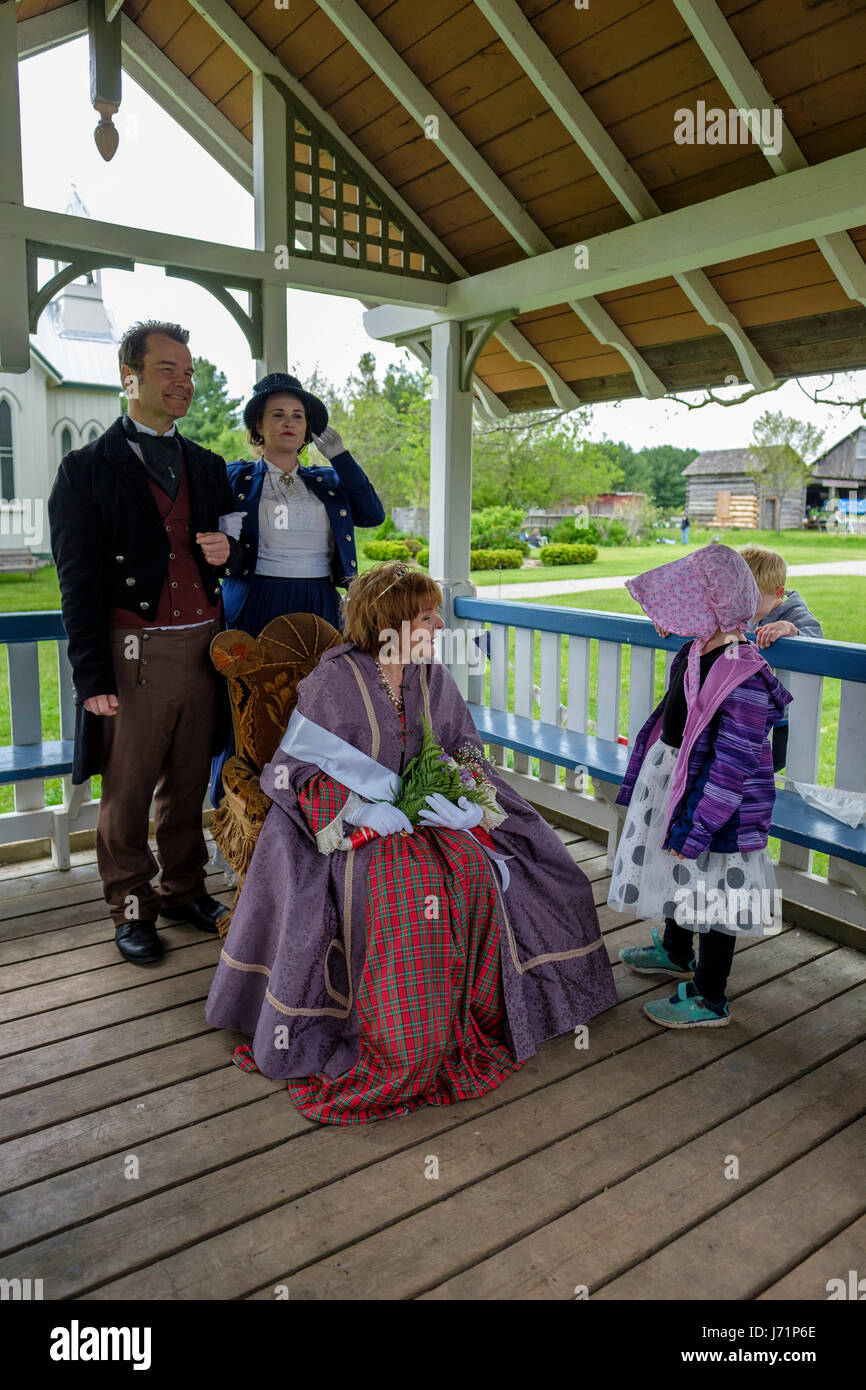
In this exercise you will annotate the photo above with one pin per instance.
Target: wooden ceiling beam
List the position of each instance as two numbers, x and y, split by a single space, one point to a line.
49 30
587 131
817 201
181 99
744 85
415 98
258 57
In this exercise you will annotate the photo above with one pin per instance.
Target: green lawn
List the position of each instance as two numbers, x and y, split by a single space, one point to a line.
798 548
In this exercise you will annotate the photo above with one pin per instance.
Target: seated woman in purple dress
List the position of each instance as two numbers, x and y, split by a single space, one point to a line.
378 964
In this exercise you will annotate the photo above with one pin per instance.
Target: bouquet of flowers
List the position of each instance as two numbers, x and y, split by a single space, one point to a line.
434 770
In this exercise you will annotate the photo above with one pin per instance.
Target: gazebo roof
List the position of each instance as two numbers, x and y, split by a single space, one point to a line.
507 136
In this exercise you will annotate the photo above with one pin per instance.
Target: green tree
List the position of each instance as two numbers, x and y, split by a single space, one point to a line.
661 468
779 448
387 428
533 461
213 420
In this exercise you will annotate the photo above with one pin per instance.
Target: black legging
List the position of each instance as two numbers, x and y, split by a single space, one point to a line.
715 955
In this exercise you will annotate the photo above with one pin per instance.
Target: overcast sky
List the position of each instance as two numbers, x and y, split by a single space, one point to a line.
160 179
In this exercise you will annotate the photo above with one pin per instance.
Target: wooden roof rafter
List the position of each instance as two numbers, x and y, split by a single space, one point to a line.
249 48
417 99
744 85
816 201
636 62
551 79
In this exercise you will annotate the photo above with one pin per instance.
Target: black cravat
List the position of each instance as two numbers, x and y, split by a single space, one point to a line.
162 457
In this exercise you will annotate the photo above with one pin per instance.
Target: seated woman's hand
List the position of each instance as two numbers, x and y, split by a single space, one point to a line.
382 817
444 813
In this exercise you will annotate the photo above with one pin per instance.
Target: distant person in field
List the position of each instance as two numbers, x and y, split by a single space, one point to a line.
684 527
782 613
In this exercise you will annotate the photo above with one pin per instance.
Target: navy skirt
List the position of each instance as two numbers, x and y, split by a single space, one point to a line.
268 598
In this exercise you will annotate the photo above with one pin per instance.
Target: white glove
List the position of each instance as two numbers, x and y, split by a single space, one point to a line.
380 816
329 443
444 813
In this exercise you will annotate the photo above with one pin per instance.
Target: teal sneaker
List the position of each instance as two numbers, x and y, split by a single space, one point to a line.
654 960
686 1009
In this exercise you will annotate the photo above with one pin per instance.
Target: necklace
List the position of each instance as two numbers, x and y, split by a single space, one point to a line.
396 700
288 479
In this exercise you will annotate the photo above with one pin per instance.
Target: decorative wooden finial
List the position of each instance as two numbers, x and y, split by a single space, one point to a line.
106 134
105 75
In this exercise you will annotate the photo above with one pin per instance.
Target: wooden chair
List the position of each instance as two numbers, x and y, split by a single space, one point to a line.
263 674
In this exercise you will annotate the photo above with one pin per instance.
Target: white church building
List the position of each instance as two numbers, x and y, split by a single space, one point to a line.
68 397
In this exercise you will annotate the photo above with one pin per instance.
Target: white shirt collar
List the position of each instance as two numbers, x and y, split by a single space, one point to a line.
146 429
274 469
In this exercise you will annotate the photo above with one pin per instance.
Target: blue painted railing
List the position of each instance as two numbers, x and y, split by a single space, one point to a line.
563 641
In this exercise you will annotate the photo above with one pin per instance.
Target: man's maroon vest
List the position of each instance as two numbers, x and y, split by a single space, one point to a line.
184 598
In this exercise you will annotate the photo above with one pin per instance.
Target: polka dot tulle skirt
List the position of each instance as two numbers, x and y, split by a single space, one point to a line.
735 893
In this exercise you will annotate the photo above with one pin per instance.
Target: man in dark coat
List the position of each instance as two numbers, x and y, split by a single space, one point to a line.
135 532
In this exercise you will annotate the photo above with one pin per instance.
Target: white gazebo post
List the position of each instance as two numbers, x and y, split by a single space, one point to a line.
450 482
270 171
14 324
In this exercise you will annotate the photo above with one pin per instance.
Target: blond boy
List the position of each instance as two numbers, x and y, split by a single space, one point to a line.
781 613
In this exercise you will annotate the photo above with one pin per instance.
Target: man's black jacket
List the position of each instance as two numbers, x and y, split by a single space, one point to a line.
106 531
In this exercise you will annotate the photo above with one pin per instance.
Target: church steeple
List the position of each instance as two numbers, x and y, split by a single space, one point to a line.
78 310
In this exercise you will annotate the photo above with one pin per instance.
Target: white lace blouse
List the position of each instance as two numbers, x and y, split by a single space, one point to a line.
295 536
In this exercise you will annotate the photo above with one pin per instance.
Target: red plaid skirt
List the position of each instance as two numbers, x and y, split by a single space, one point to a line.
429 1003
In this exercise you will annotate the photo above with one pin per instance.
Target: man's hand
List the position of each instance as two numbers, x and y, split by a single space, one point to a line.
771 632
215 546
101 704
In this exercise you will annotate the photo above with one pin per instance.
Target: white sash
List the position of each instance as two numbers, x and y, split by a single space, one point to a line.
310 743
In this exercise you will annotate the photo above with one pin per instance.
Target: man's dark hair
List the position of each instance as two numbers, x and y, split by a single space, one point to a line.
133 344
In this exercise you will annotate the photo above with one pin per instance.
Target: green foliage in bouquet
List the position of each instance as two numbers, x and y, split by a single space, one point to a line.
432 770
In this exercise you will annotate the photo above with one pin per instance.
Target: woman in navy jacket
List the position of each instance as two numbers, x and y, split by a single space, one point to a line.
296 524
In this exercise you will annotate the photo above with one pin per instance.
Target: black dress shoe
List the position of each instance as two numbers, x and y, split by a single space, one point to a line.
138 941
203 912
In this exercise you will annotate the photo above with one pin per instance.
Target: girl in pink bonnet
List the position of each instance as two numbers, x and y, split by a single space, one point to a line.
700 788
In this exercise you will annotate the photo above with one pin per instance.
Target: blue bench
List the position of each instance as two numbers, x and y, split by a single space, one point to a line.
24 762
30 758
793 819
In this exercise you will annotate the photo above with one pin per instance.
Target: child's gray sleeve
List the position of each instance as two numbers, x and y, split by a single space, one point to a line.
805 622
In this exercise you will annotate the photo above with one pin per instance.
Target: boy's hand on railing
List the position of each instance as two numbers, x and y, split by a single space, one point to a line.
771 632
101 704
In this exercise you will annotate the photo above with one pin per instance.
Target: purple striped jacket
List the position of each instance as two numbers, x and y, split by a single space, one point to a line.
730 786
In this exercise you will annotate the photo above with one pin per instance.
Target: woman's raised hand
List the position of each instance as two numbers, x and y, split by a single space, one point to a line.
329 443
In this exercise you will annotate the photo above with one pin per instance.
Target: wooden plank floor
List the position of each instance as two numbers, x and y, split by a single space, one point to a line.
137 1162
